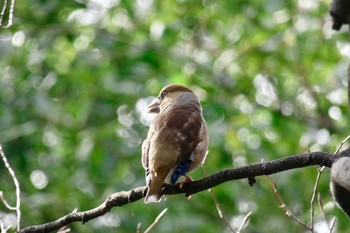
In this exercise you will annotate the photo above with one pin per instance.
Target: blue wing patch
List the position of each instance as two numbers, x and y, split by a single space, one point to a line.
180 170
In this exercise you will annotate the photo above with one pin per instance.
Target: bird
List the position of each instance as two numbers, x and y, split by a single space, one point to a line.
177 139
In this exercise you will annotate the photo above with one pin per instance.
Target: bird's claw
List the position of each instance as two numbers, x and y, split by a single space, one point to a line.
186 180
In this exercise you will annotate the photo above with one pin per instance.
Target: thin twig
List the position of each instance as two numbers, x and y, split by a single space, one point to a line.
245 220
285 207
3 11
2 226
217 205
312 201
138 228
339 147
64 229
10 14
9 21
341 144
332 224
7 205
320 204
156 220
18 190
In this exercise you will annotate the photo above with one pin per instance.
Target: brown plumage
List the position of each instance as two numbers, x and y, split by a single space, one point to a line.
177 140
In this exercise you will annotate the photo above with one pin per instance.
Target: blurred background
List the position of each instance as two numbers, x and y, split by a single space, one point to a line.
76 76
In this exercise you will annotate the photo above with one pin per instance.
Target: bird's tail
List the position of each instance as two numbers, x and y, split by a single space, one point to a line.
154 189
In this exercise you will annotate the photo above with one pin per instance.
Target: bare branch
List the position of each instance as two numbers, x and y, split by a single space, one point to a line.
320 204
117 199
10 14
217 205
332 225
156 220
341 144
315 191
284 206
7 205
3 11
190 188
138 228
2 226
245 220
18 190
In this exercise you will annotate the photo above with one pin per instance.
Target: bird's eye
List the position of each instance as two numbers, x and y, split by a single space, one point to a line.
163 94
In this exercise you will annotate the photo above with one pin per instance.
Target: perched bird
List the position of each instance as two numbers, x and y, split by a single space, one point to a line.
177 140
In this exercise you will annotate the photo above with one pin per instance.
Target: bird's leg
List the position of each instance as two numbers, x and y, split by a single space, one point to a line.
186 180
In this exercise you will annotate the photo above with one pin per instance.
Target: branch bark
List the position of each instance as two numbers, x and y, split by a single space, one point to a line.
190 188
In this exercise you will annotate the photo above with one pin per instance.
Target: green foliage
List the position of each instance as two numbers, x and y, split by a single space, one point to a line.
75 77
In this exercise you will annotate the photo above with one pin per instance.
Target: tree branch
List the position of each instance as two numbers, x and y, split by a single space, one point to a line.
190 188
17 208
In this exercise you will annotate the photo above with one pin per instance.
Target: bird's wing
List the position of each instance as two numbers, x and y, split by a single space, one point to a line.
185 126
145 151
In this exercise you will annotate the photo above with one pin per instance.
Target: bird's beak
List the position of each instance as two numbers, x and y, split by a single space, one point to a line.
154 107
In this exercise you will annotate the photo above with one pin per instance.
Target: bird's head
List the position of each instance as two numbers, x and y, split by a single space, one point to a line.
172 94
